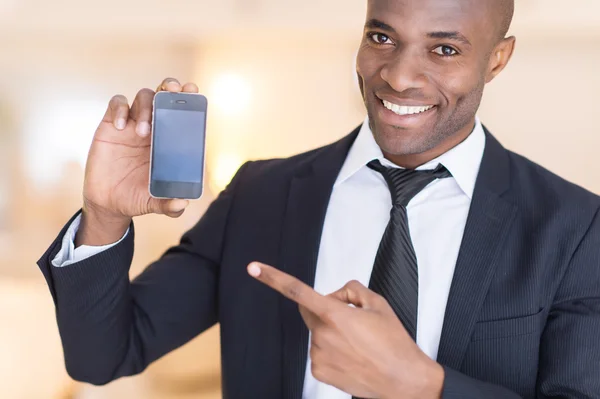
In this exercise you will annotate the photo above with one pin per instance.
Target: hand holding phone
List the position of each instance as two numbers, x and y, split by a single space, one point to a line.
117 172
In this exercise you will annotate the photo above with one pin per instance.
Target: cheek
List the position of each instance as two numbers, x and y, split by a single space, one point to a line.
366 66
458 83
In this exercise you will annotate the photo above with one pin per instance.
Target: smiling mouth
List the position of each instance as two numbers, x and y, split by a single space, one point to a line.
403 110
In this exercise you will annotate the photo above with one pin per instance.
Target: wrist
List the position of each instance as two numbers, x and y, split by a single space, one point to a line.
426 382
99 228
434 381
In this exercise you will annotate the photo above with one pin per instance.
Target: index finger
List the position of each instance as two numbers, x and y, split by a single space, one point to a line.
290 287
141 111
117 112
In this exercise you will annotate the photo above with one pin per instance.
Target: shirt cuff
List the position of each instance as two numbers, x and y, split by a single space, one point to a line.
69 255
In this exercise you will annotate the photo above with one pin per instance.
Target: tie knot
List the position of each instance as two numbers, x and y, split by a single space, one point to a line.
405 184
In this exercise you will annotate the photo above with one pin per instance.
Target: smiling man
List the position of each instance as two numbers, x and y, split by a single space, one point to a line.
473 272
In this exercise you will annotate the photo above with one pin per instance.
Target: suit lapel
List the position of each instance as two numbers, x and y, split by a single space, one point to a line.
307 203
488 224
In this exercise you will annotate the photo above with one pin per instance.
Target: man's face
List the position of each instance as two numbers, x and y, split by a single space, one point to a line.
422 66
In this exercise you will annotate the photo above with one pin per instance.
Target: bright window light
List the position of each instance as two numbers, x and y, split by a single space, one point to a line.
223 169
58 134
230 94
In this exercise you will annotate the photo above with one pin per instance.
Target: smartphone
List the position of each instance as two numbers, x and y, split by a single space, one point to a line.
177 149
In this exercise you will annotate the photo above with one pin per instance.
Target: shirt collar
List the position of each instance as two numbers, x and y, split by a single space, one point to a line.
463 161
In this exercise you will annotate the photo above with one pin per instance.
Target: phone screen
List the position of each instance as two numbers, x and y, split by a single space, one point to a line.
178 130
178 145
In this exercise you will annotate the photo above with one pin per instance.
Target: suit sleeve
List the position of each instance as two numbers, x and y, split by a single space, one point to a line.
570 350
461 386
111 327
569 365
68 254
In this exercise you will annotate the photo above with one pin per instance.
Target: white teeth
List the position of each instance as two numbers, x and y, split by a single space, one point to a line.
404 110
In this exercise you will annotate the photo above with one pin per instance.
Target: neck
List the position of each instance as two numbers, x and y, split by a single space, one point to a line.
413 161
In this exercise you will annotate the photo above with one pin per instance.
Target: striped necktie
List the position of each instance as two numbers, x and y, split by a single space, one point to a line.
395 273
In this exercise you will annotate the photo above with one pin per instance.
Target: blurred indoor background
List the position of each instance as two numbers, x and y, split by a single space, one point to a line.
279 75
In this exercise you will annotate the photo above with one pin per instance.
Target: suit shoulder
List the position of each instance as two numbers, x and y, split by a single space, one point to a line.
279 168
548 186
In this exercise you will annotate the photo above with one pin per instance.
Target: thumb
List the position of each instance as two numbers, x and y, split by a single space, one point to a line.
354 293
170 207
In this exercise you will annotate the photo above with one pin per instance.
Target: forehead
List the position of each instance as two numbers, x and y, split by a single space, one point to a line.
469 17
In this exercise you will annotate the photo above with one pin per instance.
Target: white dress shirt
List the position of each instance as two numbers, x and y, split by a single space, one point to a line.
358 212
69 255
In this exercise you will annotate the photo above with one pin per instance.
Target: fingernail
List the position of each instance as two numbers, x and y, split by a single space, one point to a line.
143 128
254 270
121 123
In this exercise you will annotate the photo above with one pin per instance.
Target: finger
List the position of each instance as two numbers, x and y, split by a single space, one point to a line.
117 112
310 319
290 287
170 84
173 208
354 293
190 88
327 375
141 111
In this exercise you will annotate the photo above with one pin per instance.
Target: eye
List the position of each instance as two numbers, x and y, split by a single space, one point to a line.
445 51
379 38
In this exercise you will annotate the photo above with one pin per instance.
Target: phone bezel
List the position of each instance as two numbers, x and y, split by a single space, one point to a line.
173 189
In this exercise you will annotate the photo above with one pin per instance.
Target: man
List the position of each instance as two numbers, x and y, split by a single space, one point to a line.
473 273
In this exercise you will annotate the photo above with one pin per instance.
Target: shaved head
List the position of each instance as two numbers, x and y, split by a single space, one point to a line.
506 11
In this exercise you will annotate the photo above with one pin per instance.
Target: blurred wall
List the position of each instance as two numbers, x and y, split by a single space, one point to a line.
280 80
544 104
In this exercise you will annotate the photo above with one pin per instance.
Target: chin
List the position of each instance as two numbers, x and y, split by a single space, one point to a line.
397 141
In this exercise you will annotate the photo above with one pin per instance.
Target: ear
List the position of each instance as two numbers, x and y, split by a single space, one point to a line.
500 57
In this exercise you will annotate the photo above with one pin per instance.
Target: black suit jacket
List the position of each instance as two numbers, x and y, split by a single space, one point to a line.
522 319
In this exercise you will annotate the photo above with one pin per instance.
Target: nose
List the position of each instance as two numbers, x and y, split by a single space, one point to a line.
404 71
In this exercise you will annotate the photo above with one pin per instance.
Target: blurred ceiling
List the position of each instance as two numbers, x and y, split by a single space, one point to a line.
180 19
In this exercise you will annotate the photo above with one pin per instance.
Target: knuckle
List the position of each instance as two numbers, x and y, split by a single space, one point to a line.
294 290
319 372
314 352
118 100
169 80
316 339
316 370
329 316
145 92
354 284
322 338
332 317
119 97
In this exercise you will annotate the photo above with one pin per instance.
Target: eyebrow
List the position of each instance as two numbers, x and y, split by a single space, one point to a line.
456 36
377 24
